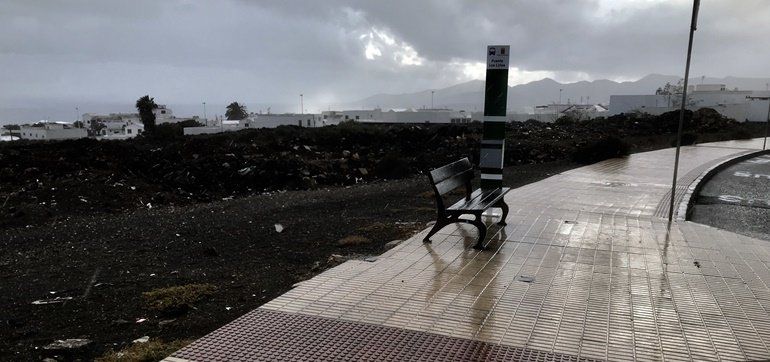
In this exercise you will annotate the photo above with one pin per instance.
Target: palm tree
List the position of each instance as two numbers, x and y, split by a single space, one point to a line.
145 105
236 111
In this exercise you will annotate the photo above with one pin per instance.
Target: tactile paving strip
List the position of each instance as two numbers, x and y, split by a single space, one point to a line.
265 335
684 181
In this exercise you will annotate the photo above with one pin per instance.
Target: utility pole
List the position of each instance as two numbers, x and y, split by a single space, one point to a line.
204 114
431 99
301 105
560 95
767 124
693 26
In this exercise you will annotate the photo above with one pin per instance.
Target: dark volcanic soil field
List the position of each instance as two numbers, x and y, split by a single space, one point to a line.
105 262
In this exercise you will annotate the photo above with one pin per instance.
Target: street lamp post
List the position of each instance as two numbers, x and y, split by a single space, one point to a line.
431 99
301 105
204 114
693 26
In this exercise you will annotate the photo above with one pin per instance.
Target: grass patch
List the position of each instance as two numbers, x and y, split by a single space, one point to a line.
353 240
373 227
177 298
427 194
153 350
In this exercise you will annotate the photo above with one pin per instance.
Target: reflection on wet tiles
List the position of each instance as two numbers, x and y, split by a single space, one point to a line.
611 283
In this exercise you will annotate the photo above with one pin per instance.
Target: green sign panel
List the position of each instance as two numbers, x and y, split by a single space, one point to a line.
495 102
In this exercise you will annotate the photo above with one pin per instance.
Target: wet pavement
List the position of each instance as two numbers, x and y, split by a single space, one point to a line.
585 268
737 199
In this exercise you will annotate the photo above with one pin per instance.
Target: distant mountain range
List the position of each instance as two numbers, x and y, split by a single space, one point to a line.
521 98
467 96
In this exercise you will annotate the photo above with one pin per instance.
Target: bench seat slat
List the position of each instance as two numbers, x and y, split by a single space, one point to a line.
452 169
480 200
454 182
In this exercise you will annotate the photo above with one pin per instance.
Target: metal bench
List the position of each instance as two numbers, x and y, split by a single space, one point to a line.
459 174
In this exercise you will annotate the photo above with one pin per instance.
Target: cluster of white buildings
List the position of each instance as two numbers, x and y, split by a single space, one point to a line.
736 104
327 118
112 126
731 103
124 125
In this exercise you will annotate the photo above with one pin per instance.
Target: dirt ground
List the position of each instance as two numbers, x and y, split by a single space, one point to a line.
104 262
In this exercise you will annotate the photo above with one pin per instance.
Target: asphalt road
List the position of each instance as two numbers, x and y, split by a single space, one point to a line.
737 199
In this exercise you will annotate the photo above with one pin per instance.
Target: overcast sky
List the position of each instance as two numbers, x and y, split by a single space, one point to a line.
185 51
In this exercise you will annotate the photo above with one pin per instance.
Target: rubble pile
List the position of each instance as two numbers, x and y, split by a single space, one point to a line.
51 179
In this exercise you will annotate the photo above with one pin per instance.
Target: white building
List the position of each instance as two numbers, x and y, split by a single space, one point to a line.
393 116
90 120
426 116
113 125
163 114
120 130
363 115
215 126
52 131
730 103
256 120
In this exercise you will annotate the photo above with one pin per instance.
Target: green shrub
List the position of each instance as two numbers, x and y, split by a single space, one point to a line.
174 300
151 351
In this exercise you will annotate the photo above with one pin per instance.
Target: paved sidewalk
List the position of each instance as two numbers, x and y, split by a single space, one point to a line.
585 269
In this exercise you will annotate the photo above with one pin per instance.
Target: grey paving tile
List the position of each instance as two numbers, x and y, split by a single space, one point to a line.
610 281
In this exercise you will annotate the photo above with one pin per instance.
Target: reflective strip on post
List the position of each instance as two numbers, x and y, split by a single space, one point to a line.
495 103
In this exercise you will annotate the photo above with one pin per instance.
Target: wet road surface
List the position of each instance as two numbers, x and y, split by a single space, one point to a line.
737 199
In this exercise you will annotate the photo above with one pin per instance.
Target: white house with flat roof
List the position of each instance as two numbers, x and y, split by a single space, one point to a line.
258 120
377 115
47 131
426 116
163 114
731 103
120 130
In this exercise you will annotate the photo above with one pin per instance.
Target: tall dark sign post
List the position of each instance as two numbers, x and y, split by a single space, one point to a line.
495 102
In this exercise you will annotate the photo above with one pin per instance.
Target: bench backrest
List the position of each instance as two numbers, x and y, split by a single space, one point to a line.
447 178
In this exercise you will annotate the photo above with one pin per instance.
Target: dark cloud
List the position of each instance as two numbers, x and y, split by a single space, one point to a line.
266 51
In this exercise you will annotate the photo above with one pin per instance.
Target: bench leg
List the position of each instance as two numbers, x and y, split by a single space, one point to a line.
482 232
501 204
436 227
